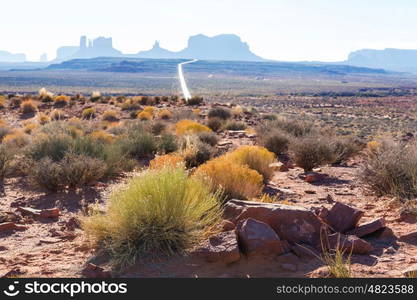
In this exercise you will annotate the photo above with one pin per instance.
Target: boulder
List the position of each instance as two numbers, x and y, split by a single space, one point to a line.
226 225
368 228
292 223
42 213
7 226
222 247
258 238
410 238
342 217
305 251
349 244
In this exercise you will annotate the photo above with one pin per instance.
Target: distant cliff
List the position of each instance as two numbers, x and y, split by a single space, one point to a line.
220 47
10 57
99 47
390 59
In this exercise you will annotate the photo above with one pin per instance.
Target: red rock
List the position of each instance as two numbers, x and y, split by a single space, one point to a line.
7 226
226 225
222 248
43 213
93 271
410 238
385 234
368 228
349 244
292 223
343 217
258 238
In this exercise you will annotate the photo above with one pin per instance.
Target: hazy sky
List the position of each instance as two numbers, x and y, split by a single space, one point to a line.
293 30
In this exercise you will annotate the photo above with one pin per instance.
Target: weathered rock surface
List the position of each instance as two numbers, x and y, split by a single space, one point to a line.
349 244
410 238
368 228
342 217
292 223
93 271
258 238
222 247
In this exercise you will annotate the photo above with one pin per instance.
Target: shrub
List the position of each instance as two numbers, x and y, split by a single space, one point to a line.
215 124
15 102
95 96
28 107
236 180
79 170
29 127
167 143
61 100
162 212
144 116
165 114
219 112
89 113
149 109
234 125
4 130
53 146
237 110
158 127
275 141
45 95
391 170
312 151
102 136
189 127
195 100
46 174
2 102
255 157
167 160
209 138
16 138
196 112
5 158
110 116
130 104
139 144
270 117
196 153
345 148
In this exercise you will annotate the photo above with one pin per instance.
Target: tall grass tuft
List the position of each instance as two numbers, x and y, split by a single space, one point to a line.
162 212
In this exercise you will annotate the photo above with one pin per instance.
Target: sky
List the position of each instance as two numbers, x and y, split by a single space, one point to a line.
287 30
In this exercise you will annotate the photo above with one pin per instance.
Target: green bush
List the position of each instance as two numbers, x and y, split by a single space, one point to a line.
234 125
6 156
215 124
167 144
162 212
54 146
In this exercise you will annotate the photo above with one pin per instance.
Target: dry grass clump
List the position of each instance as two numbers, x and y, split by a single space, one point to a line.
167 160
144 116
43 118
162 212
28 107
236 180
6 157
235 125
209 138
16 138
345 148
195 100
219 112
391 169
4 129
110 116
89 113
312 151
255 157
61 100
195 152
149 109
45 95
237 110
57 115
2 102
189 127
29 127
95 96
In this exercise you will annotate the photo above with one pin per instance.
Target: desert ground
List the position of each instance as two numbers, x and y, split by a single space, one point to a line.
296 178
